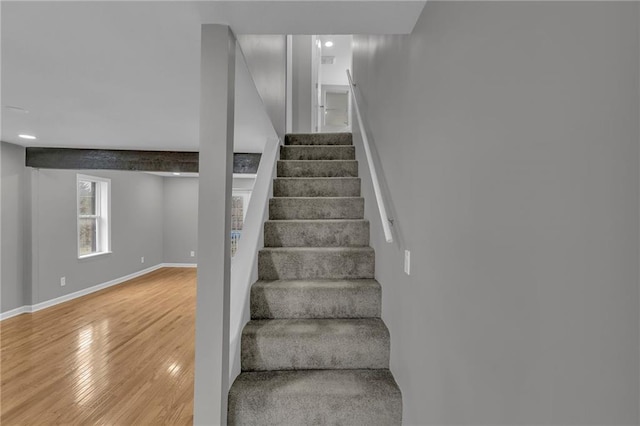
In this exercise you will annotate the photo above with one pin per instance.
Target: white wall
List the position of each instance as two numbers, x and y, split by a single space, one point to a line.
508 138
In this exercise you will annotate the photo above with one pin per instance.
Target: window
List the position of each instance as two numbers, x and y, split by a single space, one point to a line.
94 230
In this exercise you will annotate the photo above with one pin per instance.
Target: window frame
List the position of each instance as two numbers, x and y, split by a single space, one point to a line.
103 215
245 195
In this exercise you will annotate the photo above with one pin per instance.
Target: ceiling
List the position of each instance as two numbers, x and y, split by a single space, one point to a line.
123 74
342 52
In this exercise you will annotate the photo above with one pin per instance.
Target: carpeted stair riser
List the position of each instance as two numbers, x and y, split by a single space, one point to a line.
317 168
316 233
316 187
288 263
315 344
316 397
316 208
318 139
318 152
315 299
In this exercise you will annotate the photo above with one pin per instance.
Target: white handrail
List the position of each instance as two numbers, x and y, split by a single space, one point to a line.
384 218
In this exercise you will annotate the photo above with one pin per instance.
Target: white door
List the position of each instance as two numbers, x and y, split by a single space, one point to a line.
337 109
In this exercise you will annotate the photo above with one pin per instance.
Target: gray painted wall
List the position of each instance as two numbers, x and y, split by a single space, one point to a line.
508 137
180 219
14 220
181 216
136 230
266 57
252 126
155 217
301 82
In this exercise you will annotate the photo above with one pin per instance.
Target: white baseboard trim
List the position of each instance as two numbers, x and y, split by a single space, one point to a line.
179 265
93 289
14 312
89 290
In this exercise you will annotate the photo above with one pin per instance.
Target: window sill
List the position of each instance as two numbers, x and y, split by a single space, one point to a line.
87 256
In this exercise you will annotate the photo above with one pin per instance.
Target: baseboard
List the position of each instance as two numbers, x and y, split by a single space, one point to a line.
14 312
179 265
80 293
93 289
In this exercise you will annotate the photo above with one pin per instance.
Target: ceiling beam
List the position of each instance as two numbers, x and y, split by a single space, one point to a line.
131 160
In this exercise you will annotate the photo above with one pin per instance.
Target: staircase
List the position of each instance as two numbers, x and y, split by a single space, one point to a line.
316 351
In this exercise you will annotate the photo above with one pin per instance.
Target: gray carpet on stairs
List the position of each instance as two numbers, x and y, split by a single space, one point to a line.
318 139
318 152
315 299
317 168
315 397
316 208
316 233
317 187
316 351
315 344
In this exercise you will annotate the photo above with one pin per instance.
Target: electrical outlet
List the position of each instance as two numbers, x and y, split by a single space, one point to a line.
407 262
142 259
193 253
63 281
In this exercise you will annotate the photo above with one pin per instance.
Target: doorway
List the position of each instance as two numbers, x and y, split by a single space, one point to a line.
331 57
336 108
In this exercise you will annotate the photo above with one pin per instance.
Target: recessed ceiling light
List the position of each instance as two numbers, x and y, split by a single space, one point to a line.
328 44
27 137
176 174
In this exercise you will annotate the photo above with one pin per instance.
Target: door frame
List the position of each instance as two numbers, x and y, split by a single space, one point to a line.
316 82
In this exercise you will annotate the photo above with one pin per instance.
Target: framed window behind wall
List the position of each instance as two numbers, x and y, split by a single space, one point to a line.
94 215
239 204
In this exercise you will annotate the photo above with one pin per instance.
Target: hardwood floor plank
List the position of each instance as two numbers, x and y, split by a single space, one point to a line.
120 356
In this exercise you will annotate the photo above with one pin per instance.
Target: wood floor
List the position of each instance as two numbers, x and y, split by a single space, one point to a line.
121 356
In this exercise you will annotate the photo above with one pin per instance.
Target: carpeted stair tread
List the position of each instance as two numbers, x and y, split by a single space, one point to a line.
317 168
282 208
316 397
315 344
316 233
317 187
318 139
284 263
316 299
318 152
